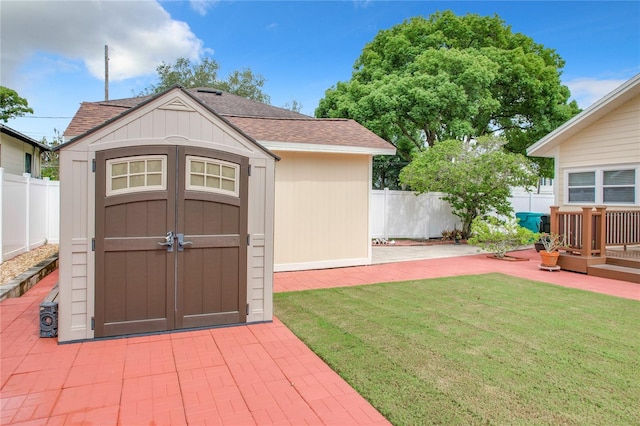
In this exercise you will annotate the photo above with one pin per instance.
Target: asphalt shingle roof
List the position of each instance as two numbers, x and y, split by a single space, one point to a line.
320 131
260 121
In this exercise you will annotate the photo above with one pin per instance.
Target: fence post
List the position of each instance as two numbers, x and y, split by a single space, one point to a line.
1 218
27 209
47 182
384 214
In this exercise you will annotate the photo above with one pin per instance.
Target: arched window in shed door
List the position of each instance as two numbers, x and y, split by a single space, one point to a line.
212 175
136 174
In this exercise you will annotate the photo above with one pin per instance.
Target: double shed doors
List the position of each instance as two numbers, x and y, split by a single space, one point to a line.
171 232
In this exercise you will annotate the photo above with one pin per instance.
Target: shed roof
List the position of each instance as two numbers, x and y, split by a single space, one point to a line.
289 130
628 90
308 134
24 138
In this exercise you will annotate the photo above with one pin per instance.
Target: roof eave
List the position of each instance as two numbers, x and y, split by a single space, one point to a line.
24 138
545 146
325 148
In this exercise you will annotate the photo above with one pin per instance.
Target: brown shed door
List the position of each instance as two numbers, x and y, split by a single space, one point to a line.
171 230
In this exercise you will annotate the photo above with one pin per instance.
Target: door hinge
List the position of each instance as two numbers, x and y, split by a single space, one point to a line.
248 239
247 311
249 170
93 244
93 323
93 165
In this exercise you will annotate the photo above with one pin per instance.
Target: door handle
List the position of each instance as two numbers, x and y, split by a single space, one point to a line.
182 242
168 241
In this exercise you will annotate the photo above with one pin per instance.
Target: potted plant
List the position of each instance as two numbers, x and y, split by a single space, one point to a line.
499 236
552 243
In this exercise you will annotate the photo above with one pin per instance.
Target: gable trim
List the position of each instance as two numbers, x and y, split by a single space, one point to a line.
176 104
173 103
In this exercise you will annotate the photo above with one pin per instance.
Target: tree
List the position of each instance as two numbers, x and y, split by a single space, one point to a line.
51 160
205 74
246 84
476 176
386 171
12 105
294 106
452 77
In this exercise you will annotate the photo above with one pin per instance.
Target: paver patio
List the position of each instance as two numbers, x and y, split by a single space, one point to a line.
255 374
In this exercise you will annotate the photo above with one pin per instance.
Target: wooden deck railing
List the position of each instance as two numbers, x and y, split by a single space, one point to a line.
623 228
588 232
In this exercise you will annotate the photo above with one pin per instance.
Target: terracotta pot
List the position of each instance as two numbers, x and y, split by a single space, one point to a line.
549 258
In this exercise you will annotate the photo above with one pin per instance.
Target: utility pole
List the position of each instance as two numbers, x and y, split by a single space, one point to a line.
106 72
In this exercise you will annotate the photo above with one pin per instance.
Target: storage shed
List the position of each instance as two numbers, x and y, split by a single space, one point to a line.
323 178
167 213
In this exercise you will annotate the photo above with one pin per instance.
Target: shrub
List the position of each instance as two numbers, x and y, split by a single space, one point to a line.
455 234
498 236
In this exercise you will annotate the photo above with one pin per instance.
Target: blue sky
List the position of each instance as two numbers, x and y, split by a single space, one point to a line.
52 52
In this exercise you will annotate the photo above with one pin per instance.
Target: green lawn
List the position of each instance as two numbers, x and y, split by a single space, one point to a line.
477 349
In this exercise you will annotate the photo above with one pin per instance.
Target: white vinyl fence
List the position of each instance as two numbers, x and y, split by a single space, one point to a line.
29 213
402 214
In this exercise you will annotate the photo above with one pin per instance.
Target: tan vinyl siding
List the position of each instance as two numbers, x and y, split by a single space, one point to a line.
612 140
322 210
13 156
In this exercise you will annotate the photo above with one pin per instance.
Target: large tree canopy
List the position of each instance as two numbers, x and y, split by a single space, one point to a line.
205 74
12 105
448 76
476 176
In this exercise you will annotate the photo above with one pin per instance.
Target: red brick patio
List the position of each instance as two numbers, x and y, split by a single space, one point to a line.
245 375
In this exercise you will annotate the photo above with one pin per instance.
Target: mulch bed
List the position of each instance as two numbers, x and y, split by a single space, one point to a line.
13 267
508 258
420 242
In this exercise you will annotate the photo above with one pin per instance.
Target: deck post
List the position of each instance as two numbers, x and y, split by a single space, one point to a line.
553 220
587 232
602 230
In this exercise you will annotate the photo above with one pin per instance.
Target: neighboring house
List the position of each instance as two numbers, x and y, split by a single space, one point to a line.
19 153
597 153
242 185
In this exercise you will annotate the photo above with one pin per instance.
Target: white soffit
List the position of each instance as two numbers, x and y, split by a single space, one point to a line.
322 148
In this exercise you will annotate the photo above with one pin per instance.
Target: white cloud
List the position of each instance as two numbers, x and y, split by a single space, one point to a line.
586 91
202 6
140 35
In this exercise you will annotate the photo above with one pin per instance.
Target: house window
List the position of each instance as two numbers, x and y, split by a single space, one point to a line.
618 186
603 186
27 163
582 187
136 174
206 174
